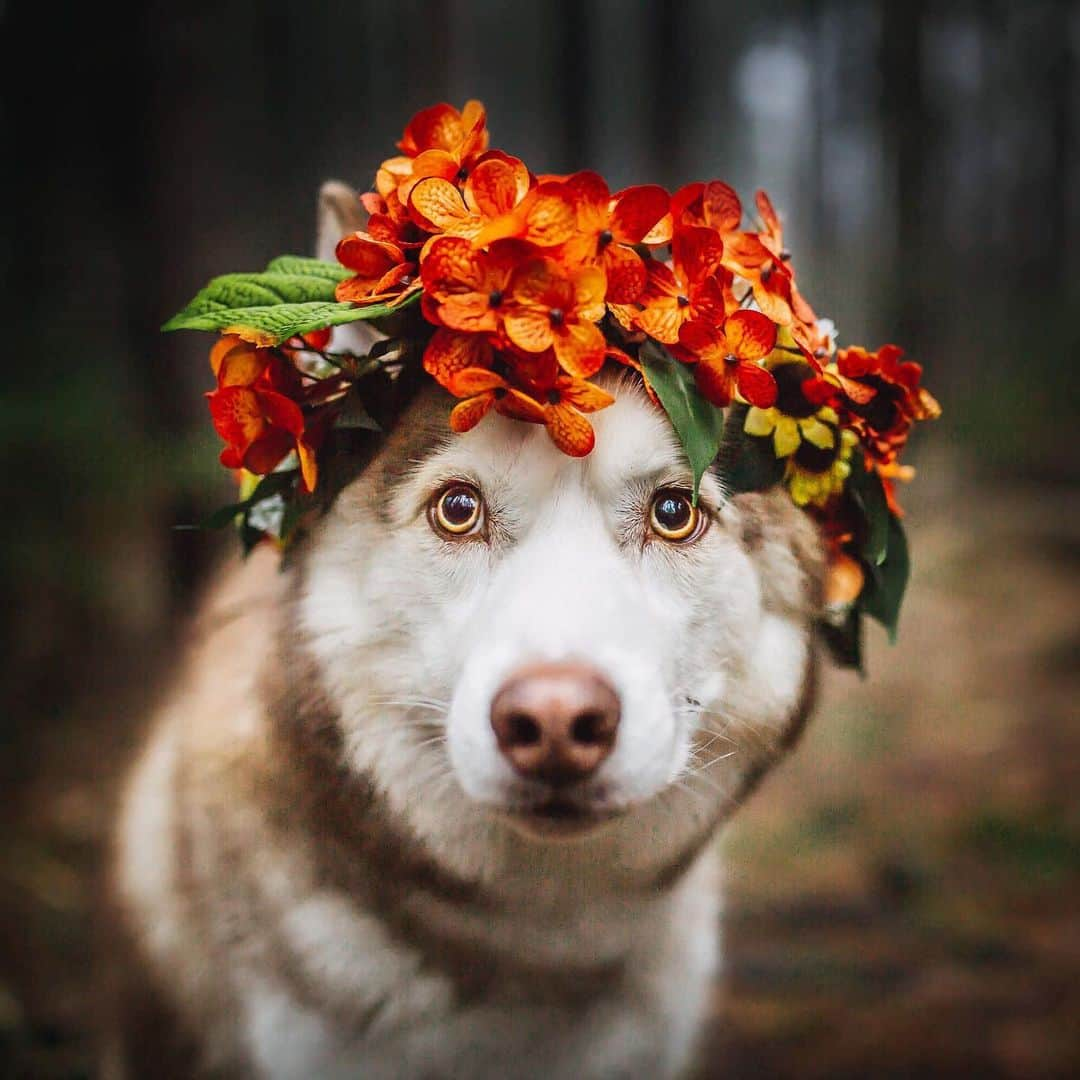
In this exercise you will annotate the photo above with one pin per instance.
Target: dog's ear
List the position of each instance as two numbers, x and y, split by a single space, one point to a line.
340 212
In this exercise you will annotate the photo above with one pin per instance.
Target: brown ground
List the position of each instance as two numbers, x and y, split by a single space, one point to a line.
904 893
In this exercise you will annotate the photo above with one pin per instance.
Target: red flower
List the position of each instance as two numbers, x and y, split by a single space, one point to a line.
558 403
693 287
607 227
440 142
495 187
727 357
484 390
255 410
564 402
549 308
452 351
379 268
465 288
884 420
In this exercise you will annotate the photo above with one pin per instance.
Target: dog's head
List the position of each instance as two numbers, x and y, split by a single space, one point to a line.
511 634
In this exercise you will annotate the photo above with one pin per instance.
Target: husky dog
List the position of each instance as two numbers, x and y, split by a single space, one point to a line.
439 799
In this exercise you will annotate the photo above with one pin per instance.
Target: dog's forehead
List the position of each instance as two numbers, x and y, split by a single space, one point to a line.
634 440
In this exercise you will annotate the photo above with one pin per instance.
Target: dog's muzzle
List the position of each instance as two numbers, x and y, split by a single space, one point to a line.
556 723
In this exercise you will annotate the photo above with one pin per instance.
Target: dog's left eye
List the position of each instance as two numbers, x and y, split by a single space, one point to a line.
457 510
674 517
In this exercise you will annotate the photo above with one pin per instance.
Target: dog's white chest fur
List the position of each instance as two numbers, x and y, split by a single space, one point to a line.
644 1025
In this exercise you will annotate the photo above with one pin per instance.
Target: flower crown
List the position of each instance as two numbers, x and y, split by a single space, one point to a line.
512 291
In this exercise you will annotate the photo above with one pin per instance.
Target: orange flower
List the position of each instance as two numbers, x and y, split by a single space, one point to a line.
379 266
439 141
494 189
727 357
884 420
549 308
389 222
254 410
451 351
564 402
465 288
557 403
483 390
693 287
607 227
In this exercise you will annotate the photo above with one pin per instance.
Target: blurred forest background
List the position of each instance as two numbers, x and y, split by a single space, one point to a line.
905 893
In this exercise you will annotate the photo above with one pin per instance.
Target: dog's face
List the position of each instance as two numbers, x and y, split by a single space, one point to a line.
508 631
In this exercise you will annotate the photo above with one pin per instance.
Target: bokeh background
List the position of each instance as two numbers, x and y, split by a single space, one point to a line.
905 892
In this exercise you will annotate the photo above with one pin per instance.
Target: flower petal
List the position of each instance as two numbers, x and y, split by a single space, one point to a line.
774 297
437 126
661 232
818 434
696 252
222 347
264 455
241 365
282 412
449 352
721 206
528 327
467 414
452 265
760 422
496 186
585 396
626 276
786 436
590 285
569 430
715 380
750 334
548 216
756 384
237 417
475 380
637 210
579 347
436 205
702 338
589 192
768 214
519 406
366 256
309 473
662 319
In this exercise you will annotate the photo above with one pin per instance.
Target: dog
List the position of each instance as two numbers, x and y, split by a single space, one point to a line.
437 802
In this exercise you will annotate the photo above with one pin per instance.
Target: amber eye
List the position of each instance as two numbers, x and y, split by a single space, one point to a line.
457 509
673 516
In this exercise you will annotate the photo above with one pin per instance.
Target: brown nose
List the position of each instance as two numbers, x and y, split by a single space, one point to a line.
556 722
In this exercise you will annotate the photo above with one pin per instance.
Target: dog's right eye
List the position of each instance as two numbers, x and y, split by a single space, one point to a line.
457 510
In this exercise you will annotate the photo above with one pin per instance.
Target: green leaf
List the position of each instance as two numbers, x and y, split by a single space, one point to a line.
867 493
258 290
748 462
300 265
698 423
884 591
844 639
275 483
273 324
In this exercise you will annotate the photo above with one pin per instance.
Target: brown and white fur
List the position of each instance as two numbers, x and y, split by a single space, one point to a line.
324 867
